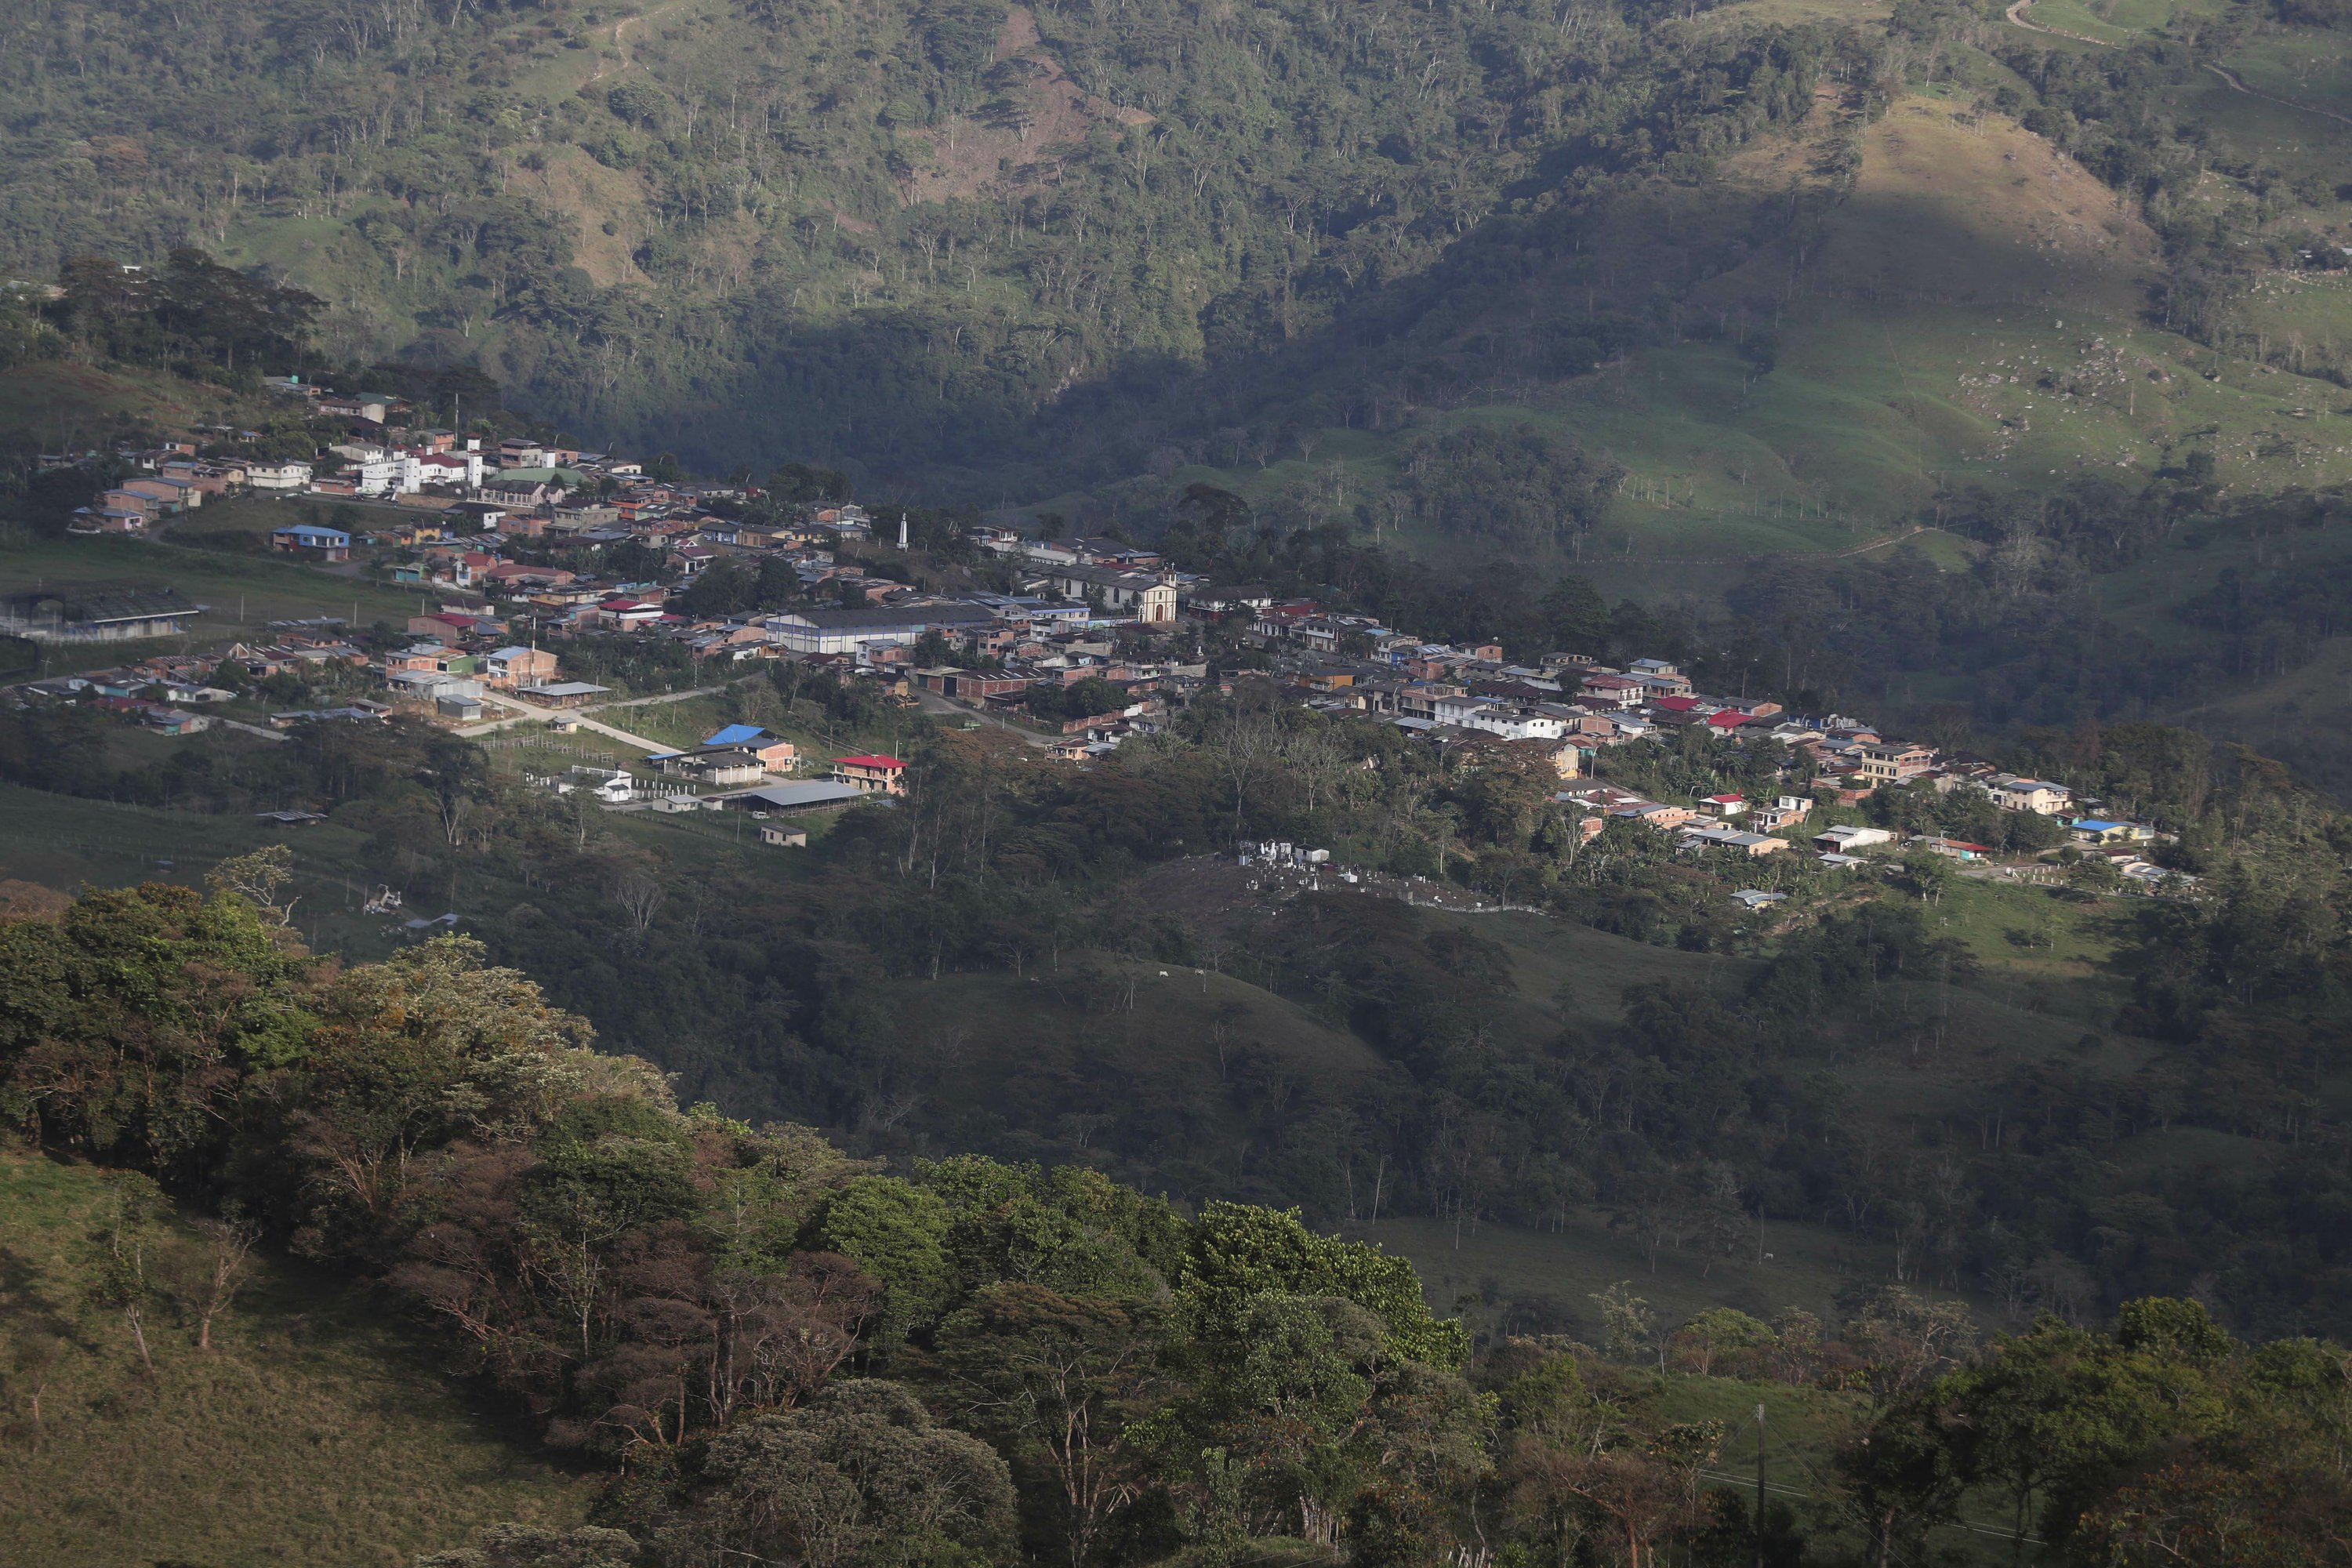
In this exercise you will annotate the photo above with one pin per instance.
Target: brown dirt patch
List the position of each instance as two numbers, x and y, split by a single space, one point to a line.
973 152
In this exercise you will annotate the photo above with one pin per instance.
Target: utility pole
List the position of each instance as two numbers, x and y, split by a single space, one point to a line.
1759 1484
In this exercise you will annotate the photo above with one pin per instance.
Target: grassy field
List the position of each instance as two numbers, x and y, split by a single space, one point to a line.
63 842
2304 65
64 406
316 1430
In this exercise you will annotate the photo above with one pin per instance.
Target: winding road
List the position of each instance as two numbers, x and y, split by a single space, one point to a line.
2230 77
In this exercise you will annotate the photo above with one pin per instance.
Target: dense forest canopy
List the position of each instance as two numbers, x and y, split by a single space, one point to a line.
896 234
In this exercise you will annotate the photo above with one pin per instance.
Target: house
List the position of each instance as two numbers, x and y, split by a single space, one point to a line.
308 538
784 838
2038 797
447 624
871 775
1950 848
714 765
628 615
477 516
1619 690
171 494
561 693
1716 836
286 475
369 406
166 719
1210 600
1726 805
512 495
432 659
775 753
1850 837
426 685
1756 898
1882 763
513 667
1788 808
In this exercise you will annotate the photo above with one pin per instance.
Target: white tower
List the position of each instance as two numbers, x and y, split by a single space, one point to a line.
902 531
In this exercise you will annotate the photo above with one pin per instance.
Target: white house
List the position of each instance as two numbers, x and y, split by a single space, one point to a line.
2038 797
277 475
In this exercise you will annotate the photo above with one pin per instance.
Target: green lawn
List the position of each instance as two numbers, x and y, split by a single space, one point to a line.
316 1429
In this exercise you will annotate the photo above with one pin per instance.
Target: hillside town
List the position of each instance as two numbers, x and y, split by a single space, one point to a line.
529 554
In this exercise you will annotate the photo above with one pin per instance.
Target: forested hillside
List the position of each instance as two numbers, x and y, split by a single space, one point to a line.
771 1349
995 253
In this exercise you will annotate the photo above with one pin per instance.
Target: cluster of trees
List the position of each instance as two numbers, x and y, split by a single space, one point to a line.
192 314
780 1351
1511 484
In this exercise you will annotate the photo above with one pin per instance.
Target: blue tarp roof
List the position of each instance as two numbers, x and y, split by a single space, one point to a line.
735 735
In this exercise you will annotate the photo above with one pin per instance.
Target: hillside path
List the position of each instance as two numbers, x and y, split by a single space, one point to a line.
621 27
2016 15
2230 77
525 713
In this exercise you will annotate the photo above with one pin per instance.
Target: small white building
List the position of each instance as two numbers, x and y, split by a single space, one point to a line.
1850 837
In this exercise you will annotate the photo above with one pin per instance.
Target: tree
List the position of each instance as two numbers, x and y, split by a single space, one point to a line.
1574 1453
859 1475
126 1239
1718 1335
896 1231
1628 1327
1928 873
1246 739
1062 1375
259 877
206 1276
